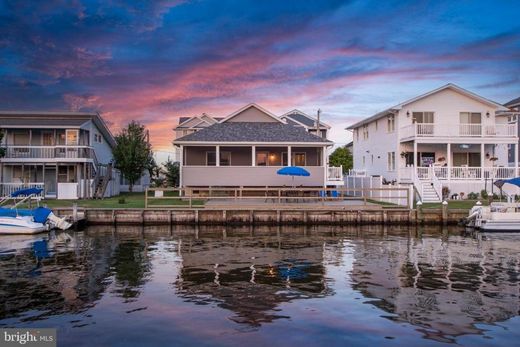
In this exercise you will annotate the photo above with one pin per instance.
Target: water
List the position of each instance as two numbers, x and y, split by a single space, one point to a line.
264 286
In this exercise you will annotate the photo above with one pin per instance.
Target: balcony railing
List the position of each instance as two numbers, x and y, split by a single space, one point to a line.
458 173
458 130
49 152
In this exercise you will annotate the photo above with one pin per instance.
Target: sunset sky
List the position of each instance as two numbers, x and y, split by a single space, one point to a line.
156 61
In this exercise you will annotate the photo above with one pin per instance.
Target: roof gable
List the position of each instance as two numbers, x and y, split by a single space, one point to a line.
303 119
252 113
450 86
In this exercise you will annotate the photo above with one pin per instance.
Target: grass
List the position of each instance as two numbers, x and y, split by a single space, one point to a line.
455 204
131 200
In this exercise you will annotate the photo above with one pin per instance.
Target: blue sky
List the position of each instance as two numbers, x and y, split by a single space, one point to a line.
156 61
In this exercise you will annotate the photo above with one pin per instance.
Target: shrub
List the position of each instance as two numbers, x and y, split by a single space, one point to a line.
445 192
495 196
122 201
472 196
484 194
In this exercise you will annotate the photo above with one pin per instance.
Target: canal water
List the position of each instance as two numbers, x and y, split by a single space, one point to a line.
264 286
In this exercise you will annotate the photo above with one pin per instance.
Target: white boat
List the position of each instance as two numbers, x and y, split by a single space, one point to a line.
14 220
21 225
496 217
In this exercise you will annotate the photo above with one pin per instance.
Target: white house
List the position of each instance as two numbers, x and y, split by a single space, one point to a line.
448 137
68 154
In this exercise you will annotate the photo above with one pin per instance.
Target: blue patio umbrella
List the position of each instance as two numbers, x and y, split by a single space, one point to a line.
293 171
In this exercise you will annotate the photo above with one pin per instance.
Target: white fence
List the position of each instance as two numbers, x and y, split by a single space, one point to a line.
6 189
373 188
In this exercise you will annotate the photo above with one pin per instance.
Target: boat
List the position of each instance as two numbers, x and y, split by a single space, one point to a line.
498 216
15 220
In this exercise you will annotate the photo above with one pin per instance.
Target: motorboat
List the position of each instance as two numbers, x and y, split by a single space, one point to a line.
495 217
498 216
15 220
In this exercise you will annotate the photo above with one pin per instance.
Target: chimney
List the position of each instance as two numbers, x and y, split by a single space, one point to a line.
318 123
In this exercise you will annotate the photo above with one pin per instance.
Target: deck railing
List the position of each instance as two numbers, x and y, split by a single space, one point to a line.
459 173
246 198
49 152
458 130
6 189
335 173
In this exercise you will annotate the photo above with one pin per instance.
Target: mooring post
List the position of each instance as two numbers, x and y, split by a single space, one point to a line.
444 213
75 213
420 215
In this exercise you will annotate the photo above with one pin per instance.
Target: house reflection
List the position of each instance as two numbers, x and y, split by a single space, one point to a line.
251 276
54 274
442 288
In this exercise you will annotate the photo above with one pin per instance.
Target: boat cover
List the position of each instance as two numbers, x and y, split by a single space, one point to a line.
39 214
26 192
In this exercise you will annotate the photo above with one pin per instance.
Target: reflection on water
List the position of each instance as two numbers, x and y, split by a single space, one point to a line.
269 285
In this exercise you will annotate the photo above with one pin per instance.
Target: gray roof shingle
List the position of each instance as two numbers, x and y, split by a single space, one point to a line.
252 132
302 119
513 102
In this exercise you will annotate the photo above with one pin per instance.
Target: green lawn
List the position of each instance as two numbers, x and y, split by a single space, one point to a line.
455 204
131 200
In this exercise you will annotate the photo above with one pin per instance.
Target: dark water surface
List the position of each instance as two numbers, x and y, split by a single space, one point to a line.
324 286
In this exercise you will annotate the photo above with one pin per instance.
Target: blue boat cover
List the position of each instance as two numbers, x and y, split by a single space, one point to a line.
293 171
515 181
26 192
39 214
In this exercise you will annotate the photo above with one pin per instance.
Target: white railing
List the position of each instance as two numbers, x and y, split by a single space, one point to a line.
335 173
458 173
437 185
49 152
458 130
6 189
357 172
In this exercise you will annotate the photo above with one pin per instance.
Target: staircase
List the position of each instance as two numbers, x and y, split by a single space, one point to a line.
428 192
103 177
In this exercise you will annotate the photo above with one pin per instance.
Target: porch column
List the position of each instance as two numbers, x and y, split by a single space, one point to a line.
253 156
482 159
217 156
516 158
415 155
448 160
181 161
289 155
325 165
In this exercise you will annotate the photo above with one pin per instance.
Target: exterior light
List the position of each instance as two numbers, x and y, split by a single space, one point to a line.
487 114
408 113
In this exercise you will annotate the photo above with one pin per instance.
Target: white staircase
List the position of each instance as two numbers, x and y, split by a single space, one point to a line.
429 194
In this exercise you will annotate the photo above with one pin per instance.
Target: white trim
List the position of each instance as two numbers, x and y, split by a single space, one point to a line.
261 109
302 144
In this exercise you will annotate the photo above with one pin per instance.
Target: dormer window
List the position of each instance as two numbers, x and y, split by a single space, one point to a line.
365 132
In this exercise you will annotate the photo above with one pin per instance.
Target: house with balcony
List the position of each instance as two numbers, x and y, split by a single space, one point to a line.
68 154
248 147
448 137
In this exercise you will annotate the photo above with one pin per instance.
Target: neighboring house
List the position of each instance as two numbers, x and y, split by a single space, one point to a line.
248 147
189 125
512 116
447 137
68 154
309 123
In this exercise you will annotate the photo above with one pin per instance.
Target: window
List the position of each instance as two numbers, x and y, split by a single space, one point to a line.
211 158
391 161
470 118
299 159
261 158
67 174
372 159
71 138
357 134
48 138
225 158
284 159
376 124
365 132
423 117
390 123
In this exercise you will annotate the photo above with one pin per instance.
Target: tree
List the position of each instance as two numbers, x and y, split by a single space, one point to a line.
341 156
132 152
172 172
2 150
